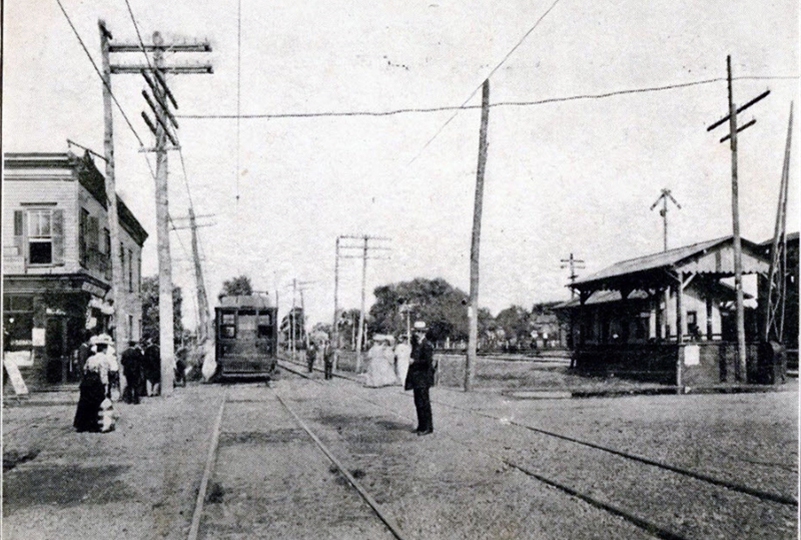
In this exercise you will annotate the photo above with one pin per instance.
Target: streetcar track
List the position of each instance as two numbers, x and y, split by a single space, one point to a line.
648 526
734 486
208 471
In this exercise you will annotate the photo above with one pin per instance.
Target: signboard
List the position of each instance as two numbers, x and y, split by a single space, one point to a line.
20 358
14 376
38 337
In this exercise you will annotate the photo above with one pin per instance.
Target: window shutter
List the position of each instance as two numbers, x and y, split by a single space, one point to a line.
58 236
19 235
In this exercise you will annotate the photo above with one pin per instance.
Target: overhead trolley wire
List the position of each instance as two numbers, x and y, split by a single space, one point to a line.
97 70
491 73
424 110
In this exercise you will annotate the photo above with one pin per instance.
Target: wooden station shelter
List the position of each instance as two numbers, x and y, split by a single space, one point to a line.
667 317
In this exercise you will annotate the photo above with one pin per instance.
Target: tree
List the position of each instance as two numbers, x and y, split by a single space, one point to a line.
238 286
442 306
514 321
150 310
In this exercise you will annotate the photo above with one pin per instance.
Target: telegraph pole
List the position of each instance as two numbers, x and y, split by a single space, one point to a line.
155 76
292 319
365 248
120 321
335 325
202 299
472 342
741 366
573 264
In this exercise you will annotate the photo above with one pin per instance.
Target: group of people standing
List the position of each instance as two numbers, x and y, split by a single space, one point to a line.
100 381
321 346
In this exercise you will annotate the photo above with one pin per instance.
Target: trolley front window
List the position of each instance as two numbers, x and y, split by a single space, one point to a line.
228 325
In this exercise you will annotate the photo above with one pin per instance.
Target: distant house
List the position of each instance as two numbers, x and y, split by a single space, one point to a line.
56 262
666 316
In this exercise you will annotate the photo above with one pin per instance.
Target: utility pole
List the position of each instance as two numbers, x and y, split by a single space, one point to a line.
573 264
335 325
204 316
472 341
664 211
777 275
120 320
365 249
292 319
741 366
155 76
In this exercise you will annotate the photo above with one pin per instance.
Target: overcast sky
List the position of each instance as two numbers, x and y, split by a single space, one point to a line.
568 176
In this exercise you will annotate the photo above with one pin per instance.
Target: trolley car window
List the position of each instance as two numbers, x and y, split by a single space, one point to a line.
228 325
265 331
247 320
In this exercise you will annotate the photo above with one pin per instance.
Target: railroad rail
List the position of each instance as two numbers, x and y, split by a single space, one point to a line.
643 523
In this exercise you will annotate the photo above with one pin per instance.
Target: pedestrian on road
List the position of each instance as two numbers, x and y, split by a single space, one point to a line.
132 363
328 359
153 369
403 355
311 355
421 377
93 388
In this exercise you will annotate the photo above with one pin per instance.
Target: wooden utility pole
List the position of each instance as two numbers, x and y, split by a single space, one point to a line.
365 249
741 365
472 344
166 314
204 316
121 333
292 319
155 76
777 274
360 334
335 325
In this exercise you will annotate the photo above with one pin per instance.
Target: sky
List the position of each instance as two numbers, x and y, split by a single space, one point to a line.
567 176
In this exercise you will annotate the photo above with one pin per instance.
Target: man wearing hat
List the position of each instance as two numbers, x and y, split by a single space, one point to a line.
421 377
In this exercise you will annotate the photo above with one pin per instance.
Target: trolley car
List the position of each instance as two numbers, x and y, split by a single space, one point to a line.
247 337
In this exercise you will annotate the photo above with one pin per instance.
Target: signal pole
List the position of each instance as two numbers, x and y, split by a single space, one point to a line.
155 76
573 264
472 340
741 366
663 212
335 325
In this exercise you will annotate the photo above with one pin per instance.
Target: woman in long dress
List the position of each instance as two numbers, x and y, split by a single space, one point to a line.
380 370
93 390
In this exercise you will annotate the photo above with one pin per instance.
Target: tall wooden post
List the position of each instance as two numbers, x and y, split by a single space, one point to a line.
335 325
472 343
292 319
166 314
204 317
360 338
122 333
741 367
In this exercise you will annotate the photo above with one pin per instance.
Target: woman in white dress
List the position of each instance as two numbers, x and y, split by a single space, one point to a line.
380 369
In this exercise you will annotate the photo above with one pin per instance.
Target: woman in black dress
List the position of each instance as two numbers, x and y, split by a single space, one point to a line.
93 392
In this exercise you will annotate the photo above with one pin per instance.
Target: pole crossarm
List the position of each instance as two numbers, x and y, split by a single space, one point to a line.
204 46
201 69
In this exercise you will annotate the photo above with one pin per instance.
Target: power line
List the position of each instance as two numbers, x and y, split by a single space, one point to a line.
473 93
424 110
97 70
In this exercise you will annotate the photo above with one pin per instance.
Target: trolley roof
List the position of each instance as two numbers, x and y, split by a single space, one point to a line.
254 301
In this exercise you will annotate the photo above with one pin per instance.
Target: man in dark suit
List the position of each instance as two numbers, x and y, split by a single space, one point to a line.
421 377
132 367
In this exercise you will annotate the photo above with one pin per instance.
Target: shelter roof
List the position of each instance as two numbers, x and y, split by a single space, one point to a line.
722 291
714 257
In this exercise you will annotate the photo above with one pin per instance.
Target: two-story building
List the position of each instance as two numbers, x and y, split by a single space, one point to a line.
56 263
